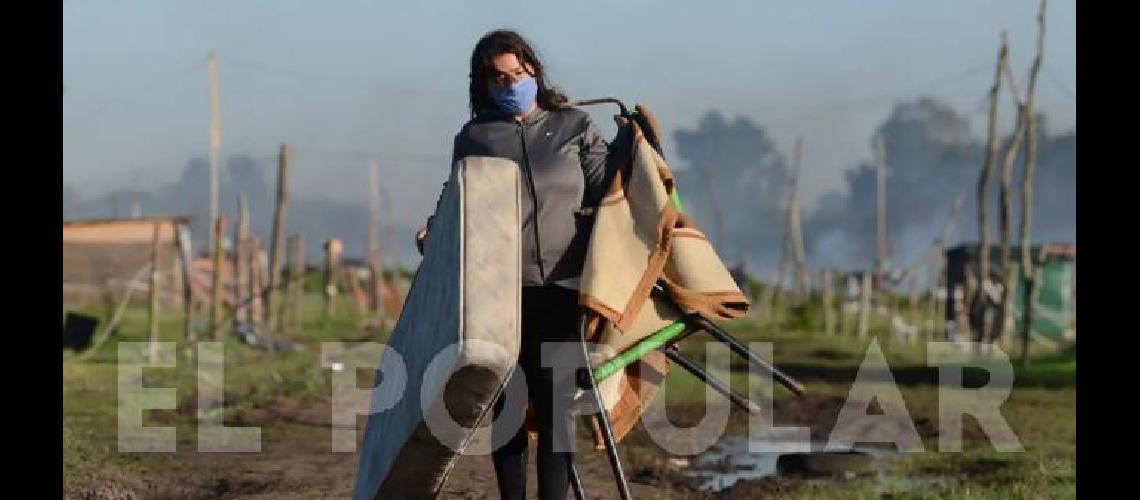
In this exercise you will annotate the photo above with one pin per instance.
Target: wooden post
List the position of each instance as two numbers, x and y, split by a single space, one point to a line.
332 251
376 282
912 308
286 296
218 288
864 305
841 303
256 284
796 232
930 313
359 294
930 307
826 285
882 244
295 273
215 134
928 304
890 305
788 251
942 286
923 313
296 279
152 312
278 242
881 289
374 263
1004 314
976 295
1027 191
241 263
188 333
961 296
974 329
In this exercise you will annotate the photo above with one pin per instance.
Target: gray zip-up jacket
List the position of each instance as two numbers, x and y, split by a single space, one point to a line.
564 171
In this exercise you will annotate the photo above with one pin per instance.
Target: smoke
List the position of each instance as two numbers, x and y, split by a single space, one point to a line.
931 156
316 218
833 249
734 169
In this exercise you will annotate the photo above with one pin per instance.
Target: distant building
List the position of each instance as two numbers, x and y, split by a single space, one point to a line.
1055 265
102 256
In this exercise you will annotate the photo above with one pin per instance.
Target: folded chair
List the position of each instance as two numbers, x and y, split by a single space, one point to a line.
650 280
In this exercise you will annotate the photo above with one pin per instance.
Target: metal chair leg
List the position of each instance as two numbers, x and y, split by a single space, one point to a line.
604 420
693 368
576 481
739 348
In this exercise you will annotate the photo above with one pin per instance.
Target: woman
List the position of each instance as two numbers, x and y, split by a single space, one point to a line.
562 156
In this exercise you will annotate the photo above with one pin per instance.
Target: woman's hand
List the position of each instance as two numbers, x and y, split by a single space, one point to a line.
420 235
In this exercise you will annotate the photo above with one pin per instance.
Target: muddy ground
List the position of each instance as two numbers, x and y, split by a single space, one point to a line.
296 462
288 399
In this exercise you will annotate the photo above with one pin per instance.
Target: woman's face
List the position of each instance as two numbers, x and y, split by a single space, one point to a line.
508 70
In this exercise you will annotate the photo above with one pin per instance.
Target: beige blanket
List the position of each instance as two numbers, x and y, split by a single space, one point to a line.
640 239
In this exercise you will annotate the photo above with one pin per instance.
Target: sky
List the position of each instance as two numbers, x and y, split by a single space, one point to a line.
349 83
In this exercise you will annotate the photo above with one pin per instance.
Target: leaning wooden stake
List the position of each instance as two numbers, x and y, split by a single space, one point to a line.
109 327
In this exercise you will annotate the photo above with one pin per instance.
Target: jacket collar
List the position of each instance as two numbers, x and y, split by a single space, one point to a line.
498 115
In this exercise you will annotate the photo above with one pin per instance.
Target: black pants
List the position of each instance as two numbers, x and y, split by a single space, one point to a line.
549 314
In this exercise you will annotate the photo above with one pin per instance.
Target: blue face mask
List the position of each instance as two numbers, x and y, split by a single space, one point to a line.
516 99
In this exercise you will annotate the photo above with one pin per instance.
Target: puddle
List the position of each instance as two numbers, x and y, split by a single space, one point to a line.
736 458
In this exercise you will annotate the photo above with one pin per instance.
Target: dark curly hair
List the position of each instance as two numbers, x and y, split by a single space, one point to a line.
506 42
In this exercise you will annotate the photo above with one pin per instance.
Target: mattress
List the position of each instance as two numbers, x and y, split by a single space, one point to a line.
458 338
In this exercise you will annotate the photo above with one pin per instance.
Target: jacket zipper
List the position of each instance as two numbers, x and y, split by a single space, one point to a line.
534 201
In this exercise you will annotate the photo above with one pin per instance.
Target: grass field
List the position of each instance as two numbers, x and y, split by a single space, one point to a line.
287 395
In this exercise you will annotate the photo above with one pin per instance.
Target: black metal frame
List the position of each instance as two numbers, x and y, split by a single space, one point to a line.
603 417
